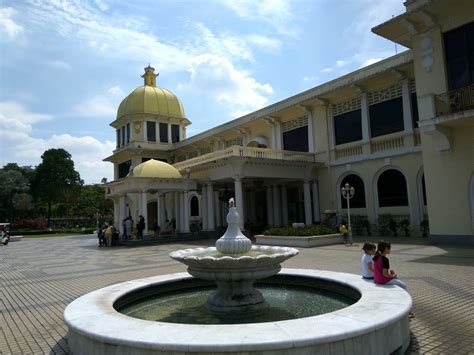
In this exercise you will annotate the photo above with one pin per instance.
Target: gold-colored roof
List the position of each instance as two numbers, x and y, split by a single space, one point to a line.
151 99
156 169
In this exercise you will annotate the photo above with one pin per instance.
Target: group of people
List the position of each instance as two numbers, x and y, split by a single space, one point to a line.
106 234
374 265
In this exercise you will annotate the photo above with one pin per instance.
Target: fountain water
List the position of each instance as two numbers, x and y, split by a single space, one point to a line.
376 322
234 265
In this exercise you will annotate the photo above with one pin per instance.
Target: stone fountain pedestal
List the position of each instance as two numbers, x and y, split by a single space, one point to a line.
234 265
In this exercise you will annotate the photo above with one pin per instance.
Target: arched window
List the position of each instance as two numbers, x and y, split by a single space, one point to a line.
194 206
392 189
423 189
358 201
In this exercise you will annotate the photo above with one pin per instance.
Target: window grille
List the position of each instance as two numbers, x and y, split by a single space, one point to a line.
346 106
236 141
297 123
412 86
385 94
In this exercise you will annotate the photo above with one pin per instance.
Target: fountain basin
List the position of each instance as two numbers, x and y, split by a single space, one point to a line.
377 323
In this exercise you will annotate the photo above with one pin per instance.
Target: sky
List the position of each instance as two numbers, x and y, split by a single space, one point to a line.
66 65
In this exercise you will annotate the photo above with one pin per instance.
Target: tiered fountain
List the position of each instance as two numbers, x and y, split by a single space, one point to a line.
149 316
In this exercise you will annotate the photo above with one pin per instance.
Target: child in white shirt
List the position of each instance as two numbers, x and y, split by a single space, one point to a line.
366 262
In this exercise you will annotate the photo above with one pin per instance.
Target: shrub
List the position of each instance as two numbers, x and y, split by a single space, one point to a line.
35 224
424 228
299 232
405 226
385 224
360 225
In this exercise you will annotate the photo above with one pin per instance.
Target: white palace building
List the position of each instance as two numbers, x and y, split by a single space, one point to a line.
400 131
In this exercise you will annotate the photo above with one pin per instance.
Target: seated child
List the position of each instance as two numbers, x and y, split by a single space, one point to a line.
366 262
383 275
343 230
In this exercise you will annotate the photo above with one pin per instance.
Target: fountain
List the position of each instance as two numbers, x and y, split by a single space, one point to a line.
234 264
374 320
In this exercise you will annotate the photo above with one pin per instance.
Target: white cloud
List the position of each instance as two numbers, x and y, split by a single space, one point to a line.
340 63
7 25
277 13
102 5
97 106
18 145
326 70
217 77
115 90
310 78
370 61
60 65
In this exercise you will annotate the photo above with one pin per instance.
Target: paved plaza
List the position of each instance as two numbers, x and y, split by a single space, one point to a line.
40 277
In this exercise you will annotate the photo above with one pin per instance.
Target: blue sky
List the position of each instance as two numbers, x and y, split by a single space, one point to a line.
66 65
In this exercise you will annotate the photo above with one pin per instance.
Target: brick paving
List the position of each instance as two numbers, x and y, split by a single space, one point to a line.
40 277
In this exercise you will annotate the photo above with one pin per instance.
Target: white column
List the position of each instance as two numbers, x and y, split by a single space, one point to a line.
307 204
176 209
158 210
284 206
169 133
210 207
144 212
239 200
269 206
204 208
181 211
311 147
364 112
181 129
278 135
276 206
186 212
316 209
407 117
162 210
122 211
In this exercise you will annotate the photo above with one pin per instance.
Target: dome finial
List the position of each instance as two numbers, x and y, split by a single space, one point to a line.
150 76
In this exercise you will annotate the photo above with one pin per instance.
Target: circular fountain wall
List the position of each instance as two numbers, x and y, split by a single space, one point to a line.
376 323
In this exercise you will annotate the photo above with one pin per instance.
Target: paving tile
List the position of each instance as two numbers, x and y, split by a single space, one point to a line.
42 276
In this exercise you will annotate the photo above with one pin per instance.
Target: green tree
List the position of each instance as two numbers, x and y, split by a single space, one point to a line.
11 182
93 204
23 202
54 176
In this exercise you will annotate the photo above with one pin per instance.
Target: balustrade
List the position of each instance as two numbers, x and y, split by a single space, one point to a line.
455 100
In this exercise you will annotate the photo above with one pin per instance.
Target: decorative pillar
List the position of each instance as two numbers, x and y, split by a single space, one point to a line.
162 213
144 209
176 210
122 211
364 113
269 206
311 146
407 116
284 206
278 134
239 200
210 207
307 204
170 140
158 210
316 209
276 206
186 212
181 211
204 208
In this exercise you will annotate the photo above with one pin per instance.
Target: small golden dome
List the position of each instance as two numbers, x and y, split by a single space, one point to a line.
151 99
156 169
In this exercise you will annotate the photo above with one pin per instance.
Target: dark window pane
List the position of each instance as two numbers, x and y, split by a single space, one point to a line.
124 168
296 139
414 109
174 133
194 206
455 44
386 117
392 189
459 51
424 189
123 135
348 127
128 132
151 131
118 138
163 132
358 200
458 73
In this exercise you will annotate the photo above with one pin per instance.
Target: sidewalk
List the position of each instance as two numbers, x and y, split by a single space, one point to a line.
40 277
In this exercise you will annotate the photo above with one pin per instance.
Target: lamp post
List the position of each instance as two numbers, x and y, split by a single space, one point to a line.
348 192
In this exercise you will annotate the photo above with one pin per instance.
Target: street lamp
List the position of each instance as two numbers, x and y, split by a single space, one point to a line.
348 192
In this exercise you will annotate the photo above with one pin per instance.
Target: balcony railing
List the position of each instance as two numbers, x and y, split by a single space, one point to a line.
246 152
455 101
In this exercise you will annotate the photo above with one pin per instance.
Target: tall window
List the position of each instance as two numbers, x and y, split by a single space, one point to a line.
459 51
151 131
392 189
128 132
386 117
123 135
296 139
348 127
414 109
358 200
118 137
124 168
194 206
174 133
163 132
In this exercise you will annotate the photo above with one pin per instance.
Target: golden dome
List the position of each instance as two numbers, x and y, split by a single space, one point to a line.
156 169
151 99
